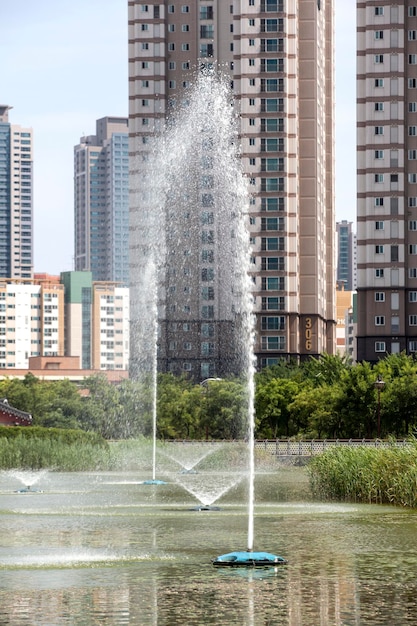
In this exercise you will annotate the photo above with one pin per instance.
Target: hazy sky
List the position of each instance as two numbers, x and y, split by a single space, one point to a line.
64 65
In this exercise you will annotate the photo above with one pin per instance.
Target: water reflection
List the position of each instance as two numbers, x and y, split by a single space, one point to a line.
103 549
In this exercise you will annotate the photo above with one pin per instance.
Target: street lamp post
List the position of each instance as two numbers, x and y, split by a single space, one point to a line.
379 385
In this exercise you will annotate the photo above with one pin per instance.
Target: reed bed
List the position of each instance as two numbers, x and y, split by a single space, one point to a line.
42 453
363 474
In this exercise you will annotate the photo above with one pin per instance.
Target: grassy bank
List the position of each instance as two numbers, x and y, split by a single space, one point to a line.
363 474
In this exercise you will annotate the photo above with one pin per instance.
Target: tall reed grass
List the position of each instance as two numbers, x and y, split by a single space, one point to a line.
34 454
363 474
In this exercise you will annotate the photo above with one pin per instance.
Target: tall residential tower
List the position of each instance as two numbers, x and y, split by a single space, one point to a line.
101 201
278 55
16 198
387 178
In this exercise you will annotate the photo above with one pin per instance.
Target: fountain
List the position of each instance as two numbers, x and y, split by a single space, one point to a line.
190 252
187 455
27 478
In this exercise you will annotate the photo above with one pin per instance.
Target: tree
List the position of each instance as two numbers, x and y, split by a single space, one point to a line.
272 402
102 409
356 404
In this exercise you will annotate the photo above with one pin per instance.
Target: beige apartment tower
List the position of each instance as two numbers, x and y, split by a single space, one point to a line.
387 179
279 57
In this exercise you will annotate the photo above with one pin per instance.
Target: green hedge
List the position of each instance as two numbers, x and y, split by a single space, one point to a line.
63 435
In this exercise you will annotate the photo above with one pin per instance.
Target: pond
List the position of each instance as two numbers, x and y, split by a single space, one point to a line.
102 548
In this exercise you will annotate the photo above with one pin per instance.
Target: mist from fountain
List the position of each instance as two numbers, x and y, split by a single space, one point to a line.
27 478
188 455
190 248
207 489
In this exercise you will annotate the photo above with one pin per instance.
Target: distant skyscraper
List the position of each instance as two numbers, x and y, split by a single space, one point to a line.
101 201
346 255
278 56
16 198
387 179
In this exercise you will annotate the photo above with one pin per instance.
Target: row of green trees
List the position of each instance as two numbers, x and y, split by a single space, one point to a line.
327 397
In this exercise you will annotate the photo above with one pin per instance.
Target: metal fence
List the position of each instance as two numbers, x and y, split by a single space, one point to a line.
284 447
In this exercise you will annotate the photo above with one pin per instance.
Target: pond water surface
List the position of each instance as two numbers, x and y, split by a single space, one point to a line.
102 548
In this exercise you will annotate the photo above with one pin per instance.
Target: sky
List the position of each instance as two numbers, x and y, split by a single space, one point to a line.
65 65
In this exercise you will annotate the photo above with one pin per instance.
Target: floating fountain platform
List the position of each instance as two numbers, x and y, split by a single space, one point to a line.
154 481
204 507
28 490
248 559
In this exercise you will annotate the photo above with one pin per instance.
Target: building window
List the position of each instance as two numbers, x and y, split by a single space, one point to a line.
379 178
412 178
379 346
379 106
412 320
379 272
412 107
206 31
379 10
379 82
412 202
271 303
185 8
379 58
273 343
412 272
380 296
379 249
412 296
379 154
379 225
379 34
379 130
412 248
379 201
379 320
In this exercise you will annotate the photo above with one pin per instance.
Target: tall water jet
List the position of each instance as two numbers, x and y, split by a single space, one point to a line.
191 290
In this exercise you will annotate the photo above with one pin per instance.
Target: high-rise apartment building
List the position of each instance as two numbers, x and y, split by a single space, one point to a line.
16 198
31 320
278 55
387 178
64 316
96 321
346 255
101 201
